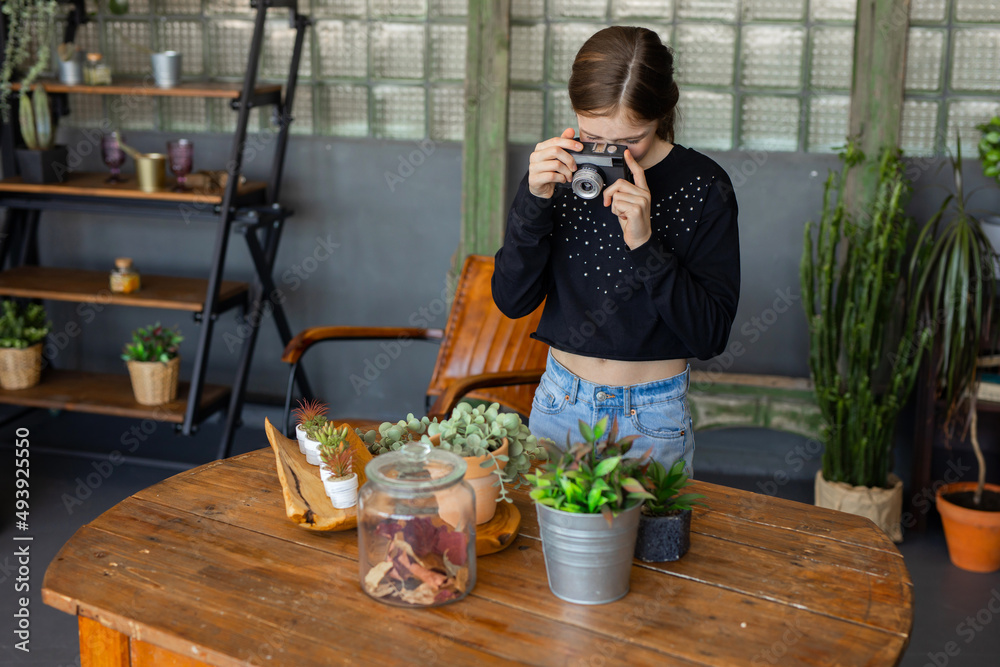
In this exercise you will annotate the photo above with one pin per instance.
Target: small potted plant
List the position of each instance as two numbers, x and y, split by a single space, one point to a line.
497 447
154 363
41 161
21 333
337 469
665 520
588 503
309 415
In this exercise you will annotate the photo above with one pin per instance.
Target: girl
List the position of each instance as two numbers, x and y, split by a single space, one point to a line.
635 281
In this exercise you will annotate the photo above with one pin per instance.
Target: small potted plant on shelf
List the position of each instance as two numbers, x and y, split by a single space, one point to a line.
497 447
665 520
154 363
959 291
310 415
337 469
42 161
588 503
21 333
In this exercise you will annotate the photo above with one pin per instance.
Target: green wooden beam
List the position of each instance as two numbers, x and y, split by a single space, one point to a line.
484 154
877 84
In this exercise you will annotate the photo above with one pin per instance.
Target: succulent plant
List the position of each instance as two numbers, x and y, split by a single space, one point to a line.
665 487
989 148
22 327
311 415
594 476
469 431
35 116
335 450
27 45
154 343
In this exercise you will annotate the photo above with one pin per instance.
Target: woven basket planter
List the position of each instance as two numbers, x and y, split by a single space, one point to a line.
154 382
20 368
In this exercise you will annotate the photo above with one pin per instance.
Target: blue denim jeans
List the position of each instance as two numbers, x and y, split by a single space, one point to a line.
657 412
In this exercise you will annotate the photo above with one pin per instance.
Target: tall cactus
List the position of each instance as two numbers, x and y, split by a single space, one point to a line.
865 341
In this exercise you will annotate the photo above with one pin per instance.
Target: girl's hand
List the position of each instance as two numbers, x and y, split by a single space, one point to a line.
551 163
631 203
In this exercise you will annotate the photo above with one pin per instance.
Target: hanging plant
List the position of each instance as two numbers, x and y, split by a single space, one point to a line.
26 20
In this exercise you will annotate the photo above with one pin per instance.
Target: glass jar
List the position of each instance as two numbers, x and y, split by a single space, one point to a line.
417 528
124 279
97 72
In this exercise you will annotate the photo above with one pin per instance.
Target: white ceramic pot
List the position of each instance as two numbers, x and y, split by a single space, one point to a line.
300 435
343 491
311 448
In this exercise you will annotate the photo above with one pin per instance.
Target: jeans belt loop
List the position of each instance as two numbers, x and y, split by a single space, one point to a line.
627 399
573 389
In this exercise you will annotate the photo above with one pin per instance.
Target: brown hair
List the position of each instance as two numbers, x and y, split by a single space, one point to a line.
626 69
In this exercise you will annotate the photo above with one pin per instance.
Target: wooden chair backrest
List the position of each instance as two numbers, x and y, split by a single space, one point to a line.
480 339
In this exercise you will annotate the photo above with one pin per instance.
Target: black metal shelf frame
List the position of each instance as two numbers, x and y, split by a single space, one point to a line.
260 225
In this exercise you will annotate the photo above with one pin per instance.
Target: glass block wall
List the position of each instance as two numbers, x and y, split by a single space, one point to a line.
754 74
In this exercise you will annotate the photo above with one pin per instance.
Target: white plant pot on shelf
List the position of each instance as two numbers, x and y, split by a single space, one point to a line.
343 491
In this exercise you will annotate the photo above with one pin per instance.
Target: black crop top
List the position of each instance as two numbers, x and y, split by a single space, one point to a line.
673 297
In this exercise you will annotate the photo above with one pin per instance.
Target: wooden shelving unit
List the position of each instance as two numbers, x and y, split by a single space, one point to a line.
110 394
251 208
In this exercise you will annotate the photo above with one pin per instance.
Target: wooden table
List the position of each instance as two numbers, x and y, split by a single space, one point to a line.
204 568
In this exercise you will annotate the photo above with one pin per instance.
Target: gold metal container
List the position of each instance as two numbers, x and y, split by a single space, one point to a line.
151 168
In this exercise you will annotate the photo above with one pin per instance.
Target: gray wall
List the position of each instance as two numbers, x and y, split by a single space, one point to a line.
394 245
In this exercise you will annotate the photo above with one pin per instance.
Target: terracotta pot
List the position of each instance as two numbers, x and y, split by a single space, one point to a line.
883 506
973 536
20 368
154 382
482 480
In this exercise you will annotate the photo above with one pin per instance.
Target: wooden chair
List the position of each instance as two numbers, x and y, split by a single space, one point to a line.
483 354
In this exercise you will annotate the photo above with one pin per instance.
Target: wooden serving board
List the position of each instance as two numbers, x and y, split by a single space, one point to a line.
307 504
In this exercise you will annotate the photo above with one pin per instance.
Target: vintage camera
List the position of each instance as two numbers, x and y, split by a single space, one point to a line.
599 164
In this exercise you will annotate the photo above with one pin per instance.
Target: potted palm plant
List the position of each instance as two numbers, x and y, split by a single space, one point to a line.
588 502
865 342
22 331
337 469
665 520
959 292
154 363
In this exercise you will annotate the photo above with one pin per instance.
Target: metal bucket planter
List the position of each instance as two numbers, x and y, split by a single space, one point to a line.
586 560
663 538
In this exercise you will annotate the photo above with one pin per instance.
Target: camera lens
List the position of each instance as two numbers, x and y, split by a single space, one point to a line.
587 182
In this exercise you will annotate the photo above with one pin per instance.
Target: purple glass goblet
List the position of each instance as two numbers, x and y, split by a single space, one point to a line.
181 155
113 156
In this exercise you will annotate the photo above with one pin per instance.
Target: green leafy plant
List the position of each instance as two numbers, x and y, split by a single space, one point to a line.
864 340
592 476
958 288
311 416
153 343
989 148
665 488
335 450
27 21
469 431
36 120
22 327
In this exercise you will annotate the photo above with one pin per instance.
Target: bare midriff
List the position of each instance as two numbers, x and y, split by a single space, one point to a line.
615 373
